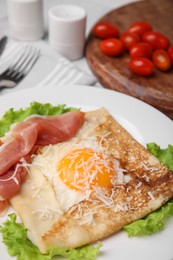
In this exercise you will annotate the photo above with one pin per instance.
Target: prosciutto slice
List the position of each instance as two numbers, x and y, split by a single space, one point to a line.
26 135
11 180
3 206
38 130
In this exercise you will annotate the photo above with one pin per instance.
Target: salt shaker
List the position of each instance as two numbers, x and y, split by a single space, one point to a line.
67 25
26 20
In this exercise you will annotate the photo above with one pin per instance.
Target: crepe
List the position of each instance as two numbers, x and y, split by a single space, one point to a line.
142 185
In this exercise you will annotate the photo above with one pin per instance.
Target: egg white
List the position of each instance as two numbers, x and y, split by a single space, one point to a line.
46 162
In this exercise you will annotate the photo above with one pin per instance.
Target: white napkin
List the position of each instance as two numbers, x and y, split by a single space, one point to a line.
51 68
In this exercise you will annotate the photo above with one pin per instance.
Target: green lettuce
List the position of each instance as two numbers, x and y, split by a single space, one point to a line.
13 116
164 155
155 221
15 238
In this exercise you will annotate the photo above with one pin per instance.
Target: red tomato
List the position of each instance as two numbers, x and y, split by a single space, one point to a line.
129 39
140 27
170 53
156 39
141 66
161 60
105 30
141 49
111 47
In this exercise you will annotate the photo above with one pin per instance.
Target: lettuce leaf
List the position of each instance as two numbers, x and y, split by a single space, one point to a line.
15 238
88 252
12 116
155 221
164 155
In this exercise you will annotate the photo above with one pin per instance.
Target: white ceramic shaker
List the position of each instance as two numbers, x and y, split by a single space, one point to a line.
67 25
26 21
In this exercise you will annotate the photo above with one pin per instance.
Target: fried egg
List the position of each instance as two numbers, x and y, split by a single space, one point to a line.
77 169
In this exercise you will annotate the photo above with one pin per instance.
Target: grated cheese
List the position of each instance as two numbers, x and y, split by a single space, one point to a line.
122 206
13 176
138 185
151 195
104 197
84 213
47 213
151 169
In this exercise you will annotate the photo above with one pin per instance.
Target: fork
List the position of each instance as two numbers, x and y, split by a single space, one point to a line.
20 67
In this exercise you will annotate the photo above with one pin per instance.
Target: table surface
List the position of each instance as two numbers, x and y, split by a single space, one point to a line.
94 8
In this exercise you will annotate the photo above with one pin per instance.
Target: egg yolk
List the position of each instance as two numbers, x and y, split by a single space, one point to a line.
84 168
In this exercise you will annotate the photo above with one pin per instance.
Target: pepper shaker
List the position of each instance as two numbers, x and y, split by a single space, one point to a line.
67 25
26 20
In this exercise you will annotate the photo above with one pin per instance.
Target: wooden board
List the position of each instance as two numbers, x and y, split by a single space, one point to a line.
113 72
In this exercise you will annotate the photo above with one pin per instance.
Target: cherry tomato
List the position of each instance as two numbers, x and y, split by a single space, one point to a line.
141 66
105 30
141 49
111 47
170 53
156 39
140 27
161 60
129 39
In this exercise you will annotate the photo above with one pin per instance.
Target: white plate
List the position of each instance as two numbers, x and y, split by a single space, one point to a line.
143 121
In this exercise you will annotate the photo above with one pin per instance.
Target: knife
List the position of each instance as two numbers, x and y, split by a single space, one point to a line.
3 43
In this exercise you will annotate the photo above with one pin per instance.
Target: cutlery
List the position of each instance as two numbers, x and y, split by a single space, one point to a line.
20 67
3 43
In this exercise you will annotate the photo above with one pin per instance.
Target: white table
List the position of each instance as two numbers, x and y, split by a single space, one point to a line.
94 8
